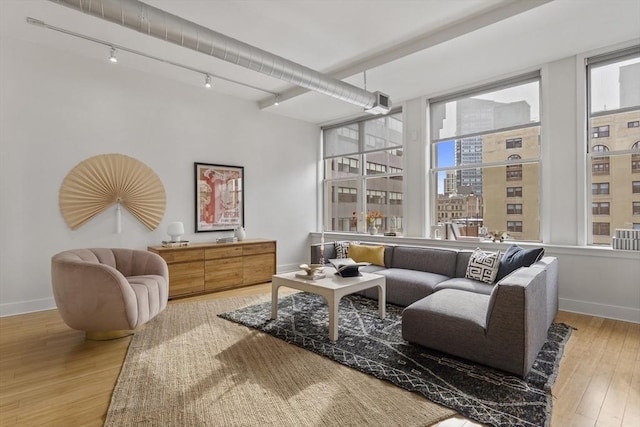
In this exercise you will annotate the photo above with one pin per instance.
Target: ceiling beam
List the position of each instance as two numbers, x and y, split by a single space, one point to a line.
497 13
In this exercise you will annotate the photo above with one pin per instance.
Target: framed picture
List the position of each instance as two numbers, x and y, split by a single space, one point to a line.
219 197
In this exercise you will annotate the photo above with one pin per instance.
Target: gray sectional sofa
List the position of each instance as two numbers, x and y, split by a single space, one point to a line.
502 325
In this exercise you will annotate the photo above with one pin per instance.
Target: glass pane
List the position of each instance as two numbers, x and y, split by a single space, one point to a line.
342 200
491 148
613 196
507 107
615 86
383 132
384 162
385 195
342 140
503 205
342 167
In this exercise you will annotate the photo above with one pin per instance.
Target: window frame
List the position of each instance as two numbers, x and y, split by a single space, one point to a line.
515 168
603 132
367 169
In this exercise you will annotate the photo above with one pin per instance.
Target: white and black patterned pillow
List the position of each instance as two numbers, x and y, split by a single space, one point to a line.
483 266
342 249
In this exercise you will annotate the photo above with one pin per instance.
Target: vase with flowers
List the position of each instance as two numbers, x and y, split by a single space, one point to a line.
372 218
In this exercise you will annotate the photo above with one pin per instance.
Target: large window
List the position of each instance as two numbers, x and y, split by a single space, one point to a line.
364 169
485 143
613 146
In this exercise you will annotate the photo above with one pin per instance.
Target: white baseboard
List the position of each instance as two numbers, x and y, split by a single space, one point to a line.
22 307
285 268
627 314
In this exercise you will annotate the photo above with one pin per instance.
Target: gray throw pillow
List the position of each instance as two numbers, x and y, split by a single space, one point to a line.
516 257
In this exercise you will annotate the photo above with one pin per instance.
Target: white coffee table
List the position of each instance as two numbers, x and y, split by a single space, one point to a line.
332 288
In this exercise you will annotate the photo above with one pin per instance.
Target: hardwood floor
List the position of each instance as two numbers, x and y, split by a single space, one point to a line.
51 376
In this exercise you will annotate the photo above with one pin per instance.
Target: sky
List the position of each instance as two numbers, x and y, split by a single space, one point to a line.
605 86
446 157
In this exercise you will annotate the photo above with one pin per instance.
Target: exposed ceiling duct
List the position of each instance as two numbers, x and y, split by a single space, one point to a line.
155 22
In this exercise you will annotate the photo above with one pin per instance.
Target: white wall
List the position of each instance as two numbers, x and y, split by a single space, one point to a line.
58 110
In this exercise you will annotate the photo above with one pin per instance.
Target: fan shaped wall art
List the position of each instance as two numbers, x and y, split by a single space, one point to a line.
99 182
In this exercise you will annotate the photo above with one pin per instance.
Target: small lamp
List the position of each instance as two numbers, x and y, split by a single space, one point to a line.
175 230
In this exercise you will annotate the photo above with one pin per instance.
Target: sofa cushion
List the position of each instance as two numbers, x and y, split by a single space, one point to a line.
367 253
462 262
404 287
483 266
516 257
464 284
452 321
432 260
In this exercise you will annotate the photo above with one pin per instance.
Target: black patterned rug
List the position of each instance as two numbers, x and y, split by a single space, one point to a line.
375 346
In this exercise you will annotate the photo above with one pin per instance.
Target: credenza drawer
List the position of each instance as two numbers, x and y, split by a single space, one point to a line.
223 252
183 255
259 248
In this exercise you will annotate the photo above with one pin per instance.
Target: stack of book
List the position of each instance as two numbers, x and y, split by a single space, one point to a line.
627 239
174 243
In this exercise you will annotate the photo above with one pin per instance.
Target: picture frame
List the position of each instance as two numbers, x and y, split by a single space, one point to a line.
219 197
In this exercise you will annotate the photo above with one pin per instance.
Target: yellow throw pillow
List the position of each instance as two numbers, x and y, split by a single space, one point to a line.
367 253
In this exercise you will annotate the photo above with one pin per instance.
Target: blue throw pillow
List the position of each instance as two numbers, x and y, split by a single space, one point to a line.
516 257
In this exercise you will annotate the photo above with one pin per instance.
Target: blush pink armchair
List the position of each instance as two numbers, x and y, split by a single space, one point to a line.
108 293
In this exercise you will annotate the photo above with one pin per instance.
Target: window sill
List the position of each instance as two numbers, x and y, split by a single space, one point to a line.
551 249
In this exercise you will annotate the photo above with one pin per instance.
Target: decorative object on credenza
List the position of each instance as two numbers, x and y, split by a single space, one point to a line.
219 202
174 244
175 230
99 182
240 234
227 240
311 271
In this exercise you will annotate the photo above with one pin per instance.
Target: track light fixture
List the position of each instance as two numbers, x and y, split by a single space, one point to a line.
277 100
112 56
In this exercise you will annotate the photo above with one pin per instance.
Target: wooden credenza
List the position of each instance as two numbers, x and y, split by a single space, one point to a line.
209 267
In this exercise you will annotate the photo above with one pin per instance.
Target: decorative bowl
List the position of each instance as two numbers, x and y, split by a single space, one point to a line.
312 269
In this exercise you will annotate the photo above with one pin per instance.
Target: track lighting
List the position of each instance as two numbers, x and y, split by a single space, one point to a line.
113 56
277 100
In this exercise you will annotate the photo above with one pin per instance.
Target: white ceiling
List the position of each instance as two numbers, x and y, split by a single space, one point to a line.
409 47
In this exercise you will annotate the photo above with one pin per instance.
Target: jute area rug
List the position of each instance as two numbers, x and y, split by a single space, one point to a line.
375 346
189 367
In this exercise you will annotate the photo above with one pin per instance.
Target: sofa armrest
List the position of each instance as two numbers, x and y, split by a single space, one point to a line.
517 318
550 264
